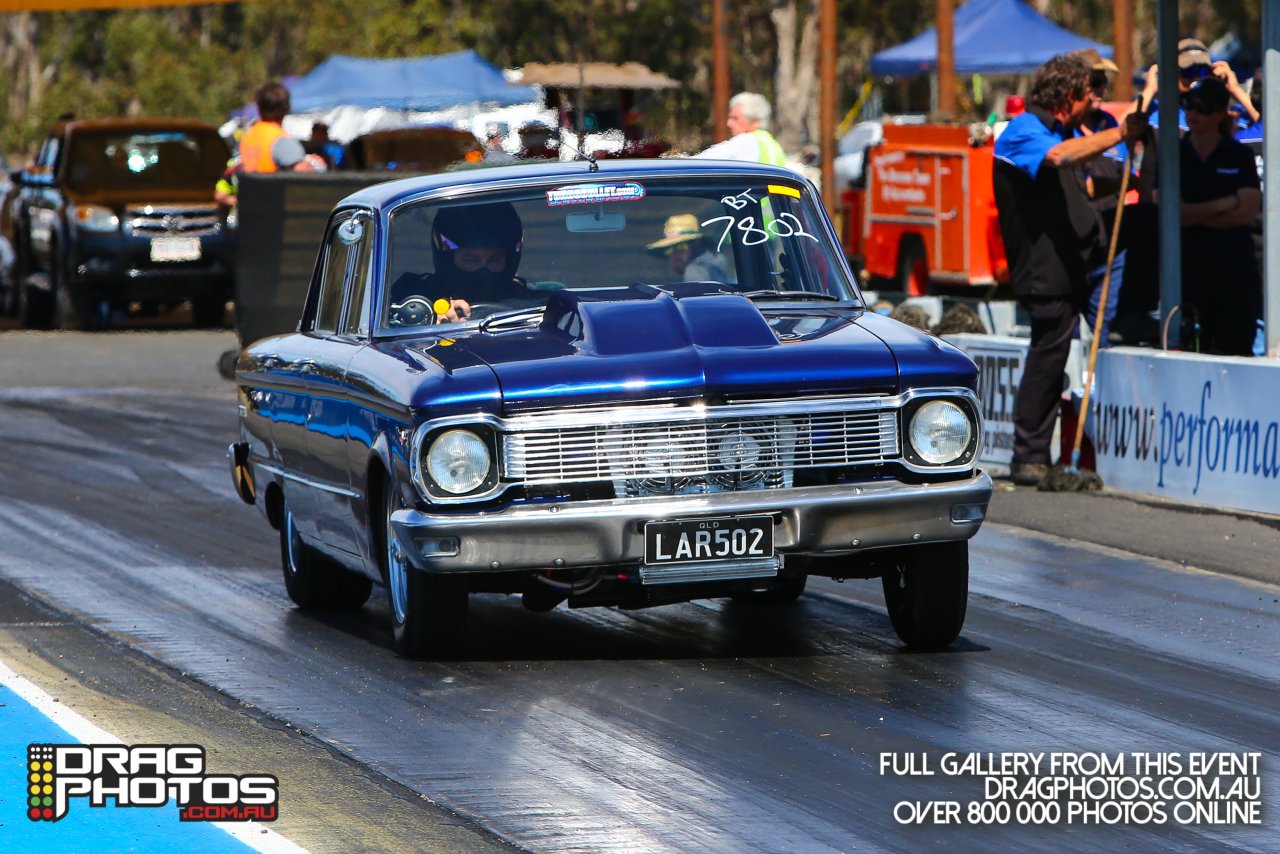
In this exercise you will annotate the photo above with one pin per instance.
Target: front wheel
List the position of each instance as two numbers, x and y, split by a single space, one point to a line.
313 582
926 591
428 612
73 303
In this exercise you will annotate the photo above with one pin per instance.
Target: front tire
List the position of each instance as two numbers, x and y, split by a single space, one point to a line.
428 612
926 591
72 303
313 582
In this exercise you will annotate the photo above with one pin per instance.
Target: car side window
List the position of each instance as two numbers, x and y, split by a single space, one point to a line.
356 319
339 254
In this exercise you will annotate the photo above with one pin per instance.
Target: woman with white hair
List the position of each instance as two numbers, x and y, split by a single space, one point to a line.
748 121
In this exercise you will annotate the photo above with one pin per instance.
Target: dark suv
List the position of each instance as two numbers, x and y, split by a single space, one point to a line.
116 212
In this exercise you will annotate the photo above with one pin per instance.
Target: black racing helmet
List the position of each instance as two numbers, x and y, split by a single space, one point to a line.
495 226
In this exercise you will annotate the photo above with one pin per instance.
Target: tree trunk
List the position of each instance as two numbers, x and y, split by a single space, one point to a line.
795 93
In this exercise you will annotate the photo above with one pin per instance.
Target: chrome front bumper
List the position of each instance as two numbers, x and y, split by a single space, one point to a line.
811 520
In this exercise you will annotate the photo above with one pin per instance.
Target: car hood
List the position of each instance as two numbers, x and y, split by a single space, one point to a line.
640 343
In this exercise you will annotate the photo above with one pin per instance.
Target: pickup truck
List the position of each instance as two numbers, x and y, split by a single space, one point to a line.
114 213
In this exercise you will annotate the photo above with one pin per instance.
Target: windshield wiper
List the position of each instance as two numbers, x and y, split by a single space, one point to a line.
511 319
797 295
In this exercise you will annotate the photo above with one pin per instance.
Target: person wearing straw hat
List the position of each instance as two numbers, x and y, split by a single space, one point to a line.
682 244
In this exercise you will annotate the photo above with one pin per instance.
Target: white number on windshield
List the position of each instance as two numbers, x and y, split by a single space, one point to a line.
751 234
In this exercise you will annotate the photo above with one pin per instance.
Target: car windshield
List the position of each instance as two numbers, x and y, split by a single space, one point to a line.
764 238
121 160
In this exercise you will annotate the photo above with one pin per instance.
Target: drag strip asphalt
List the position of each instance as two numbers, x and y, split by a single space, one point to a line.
708 726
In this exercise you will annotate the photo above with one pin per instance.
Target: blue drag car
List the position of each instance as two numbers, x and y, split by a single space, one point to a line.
627 385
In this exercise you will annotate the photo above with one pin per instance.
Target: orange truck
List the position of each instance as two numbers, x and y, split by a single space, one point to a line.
926 215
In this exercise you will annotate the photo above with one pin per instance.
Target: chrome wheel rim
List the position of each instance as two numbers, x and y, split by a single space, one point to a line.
397 572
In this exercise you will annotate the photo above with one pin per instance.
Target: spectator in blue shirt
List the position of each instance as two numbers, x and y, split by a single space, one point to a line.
1052 237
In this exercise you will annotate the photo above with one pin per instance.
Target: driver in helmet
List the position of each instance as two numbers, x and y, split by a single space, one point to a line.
476 249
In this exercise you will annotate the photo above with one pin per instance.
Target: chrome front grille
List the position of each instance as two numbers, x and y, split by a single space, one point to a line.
173 222
668 450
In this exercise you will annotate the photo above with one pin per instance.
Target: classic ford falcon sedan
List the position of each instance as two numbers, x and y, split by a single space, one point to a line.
631 384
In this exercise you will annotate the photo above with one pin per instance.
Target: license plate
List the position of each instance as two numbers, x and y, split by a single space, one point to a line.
708 540
175 249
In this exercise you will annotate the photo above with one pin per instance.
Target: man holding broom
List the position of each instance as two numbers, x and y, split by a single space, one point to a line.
1052 236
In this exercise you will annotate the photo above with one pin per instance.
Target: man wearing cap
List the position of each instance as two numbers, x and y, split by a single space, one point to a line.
682 244
1194 63
1052 237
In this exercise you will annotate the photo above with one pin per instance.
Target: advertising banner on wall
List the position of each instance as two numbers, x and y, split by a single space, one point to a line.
1000 361
1204 429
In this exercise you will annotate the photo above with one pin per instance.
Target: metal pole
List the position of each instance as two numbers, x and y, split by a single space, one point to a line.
827 105
946 58
1271 153
1170 177
1122 42
719 72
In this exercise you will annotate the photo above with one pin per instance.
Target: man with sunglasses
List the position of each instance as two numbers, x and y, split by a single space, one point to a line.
1194 63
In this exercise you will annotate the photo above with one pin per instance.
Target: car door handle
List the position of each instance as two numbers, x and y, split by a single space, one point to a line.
951 214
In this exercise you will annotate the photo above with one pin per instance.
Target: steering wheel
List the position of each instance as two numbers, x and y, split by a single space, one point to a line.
412 311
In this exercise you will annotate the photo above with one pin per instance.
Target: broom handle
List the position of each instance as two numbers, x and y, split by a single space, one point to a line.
1102 308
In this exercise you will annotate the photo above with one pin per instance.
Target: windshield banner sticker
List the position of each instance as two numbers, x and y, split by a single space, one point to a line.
585 194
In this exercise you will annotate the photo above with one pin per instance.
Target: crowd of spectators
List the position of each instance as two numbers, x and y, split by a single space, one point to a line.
1059 170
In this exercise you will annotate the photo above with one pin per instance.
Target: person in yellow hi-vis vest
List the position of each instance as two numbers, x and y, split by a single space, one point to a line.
751 141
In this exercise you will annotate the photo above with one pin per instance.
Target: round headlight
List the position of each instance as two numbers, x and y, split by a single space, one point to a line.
940 432
458 461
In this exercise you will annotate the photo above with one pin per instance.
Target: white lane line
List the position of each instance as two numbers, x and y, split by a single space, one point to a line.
256 836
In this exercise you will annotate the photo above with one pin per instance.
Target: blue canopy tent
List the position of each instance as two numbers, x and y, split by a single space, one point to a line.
991 37
420 83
